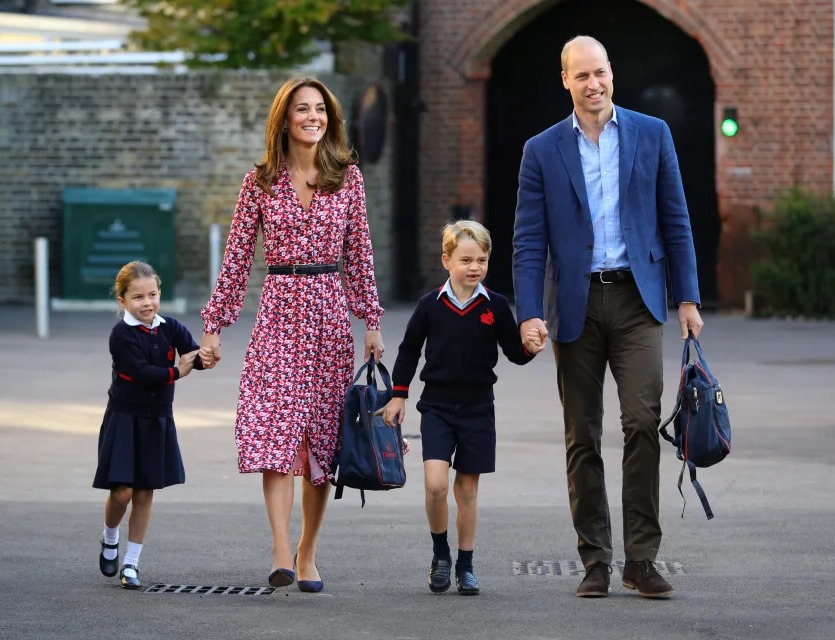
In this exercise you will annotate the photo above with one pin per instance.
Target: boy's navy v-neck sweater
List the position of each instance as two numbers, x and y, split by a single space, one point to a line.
461 348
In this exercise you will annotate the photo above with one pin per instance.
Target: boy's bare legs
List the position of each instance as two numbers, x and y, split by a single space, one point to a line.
436 484
465 489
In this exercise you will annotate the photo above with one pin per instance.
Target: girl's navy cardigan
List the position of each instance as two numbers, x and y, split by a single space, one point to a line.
144 368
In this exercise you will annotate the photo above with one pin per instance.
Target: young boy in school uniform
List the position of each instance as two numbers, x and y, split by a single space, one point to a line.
462 325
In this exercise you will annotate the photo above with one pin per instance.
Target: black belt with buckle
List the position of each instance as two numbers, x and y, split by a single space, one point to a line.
301 269
618 276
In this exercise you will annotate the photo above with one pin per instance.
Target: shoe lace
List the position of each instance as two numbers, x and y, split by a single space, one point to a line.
648 568
599 566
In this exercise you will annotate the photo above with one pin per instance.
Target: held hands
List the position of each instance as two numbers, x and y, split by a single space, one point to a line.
689 319
373 344
394 412
210 350
186 363
534 335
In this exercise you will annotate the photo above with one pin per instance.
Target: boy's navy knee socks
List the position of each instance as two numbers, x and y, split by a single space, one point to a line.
440 546
464 562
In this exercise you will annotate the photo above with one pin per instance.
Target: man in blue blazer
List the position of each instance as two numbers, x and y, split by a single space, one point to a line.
601 221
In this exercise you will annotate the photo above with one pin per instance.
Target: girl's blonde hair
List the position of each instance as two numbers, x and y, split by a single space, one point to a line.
455 232
332 153
130 272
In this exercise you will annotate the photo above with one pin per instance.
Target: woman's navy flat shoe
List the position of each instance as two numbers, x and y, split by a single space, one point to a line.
309 586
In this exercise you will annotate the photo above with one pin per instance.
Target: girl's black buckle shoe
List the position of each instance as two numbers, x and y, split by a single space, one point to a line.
128 582
109 567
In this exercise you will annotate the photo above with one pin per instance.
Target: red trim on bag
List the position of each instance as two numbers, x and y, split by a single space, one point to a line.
124 377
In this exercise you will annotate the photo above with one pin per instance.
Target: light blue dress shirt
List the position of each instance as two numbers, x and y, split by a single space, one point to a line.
447 289
601 170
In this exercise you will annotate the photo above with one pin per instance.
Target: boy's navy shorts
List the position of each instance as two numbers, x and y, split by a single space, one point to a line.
466 430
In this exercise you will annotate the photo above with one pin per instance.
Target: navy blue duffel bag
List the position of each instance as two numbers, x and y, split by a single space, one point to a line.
370 454
702 427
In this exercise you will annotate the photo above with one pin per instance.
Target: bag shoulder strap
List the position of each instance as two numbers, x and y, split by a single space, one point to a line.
697 486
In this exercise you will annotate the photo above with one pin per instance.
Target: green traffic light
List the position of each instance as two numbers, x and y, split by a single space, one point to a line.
729 127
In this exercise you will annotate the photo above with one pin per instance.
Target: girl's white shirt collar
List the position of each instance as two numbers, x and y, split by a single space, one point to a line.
134 322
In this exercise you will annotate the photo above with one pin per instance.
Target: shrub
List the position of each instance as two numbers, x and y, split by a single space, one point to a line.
797 275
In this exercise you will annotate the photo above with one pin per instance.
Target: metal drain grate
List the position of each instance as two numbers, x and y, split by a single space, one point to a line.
199 590
570 568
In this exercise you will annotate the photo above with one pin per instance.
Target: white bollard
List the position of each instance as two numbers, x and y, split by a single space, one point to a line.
214 254
42 287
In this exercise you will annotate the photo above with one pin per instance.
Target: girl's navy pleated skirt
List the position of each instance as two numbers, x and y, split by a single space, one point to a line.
138 451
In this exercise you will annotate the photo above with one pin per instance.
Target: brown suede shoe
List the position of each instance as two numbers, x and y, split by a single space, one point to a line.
596 582
642 575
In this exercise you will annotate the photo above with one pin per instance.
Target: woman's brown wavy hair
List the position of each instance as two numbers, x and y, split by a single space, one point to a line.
332 153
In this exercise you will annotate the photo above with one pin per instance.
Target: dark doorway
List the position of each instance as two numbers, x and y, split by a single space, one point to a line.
658 70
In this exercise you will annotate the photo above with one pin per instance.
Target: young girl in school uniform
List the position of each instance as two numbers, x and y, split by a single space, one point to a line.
138 450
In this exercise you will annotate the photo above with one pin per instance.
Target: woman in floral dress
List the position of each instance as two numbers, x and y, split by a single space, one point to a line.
308 199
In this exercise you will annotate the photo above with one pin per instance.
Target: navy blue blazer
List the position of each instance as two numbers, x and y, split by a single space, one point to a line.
553 223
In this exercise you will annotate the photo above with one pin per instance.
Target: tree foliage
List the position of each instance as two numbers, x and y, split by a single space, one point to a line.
260 33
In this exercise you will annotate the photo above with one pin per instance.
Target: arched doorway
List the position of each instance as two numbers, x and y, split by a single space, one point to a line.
658 70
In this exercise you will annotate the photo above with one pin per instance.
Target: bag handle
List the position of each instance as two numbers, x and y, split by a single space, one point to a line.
370 376
694 342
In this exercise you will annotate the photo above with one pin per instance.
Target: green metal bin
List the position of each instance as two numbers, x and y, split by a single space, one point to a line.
106 228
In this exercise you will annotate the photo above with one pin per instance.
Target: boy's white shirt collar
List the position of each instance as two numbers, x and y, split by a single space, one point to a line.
447 288
134 322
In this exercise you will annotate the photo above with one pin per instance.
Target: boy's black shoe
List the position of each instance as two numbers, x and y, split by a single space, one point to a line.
466 583
439 575
108 567
126 581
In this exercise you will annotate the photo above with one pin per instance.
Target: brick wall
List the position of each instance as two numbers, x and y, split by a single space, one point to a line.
773 59
198 133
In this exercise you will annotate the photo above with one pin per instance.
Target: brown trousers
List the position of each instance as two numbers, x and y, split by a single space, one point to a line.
620 331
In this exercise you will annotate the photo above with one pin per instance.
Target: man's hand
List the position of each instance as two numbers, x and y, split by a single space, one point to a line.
531 327
689 319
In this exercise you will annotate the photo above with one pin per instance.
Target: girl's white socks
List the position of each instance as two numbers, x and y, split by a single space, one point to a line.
111 536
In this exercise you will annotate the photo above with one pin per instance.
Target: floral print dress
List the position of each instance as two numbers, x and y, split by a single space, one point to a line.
300 357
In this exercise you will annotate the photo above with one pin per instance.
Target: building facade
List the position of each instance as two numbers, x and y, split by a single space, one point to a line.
490 79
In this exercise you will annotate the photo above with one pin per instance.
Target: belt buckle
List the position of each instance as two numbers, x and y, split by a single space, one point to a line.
605 281
293 269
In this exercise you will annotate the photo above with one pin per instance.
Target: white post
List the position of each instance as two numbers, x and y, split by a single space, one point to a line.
214 254
42 287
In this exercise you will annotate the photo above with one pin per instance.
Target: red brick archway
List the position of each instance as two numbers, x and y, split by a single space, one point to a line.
750 49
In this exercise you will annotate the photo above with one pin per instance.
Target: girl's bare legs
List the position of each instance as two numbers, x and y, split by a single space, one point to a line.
116 504
436 485
278 497
140 515
465 489
314 502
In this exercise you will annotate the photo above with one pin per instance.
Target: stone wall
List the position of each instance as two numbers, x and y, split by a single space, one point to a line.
198 133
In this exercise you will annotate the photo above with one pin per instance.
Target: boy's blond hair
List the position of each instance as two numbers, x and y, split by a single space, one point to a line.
455 232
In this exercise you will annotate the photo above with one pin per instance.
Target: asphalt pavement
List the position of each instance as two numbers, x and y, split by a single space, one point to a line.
764 568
